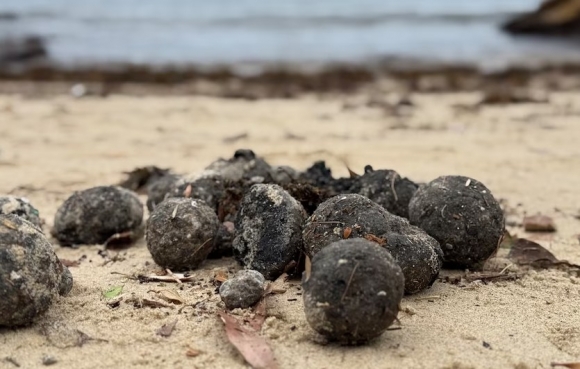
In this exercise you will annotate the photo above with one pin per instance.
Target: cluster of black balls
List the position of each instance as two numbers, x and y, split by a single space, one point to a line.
367 239
370 238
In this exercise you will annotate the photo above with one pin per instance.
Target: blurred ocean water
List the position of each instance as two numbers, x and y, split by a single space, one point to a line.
234 32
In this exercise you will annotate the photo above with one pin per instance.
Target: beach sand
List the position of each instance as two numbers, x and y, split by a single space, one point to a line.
527 154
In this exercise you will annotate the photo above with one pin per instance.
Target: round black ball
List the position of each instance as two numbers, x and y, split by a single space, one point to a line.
181 232
94 215
462 214
353 292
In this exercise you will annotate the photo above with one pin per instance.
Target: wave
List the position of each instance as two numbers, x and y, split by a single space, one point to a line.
278 21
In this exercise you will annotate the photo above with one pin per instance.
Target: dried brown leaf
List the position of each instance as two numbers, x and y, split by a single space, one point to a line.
253 348
259 315
193 352
539 223
346 233
307 268
166 329
526 252
186 193
70 263
170 296
375 239
220 276
567 365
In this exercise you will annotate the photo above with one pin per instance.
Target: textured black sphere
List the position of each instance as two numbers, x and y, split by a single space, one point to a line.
92 216
181 232
462 214
353 292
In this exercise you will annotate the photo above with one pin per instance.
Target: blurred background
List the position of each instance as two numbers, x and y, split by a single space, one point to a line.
247 35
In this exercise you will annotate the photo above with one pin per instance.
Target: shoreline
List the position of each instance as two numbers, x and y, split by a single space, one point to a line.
281 81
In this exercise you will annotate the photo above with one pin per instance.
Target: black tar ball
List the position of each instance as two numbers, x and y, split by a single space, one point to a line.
353 292
31 276
462 214
94 215
20 206
268 230
181 232
387 188
355 216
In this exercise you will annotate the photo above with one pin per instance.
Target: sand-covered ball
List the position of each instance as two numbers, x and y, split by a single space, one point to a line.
387 188
94 215
355 216
20 206
244 290
181 232
353 292
268 230
462 214
31 276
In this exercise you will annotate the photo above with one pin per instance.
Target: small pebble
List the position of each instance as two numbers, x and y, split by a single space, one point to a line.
356 216
20 206
462 214
92 216
48 360
244 290
268 230
353 292
31 275
181 232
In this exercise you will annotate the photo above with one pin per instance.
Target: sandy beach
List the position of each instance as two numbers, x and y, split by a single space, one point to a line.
527 154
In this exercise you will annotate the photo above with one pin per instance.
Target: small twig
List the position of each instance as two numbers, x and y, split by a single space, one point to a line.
429 297
126 275
393 177
394 328
349 281
506 268
171 275
117 236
